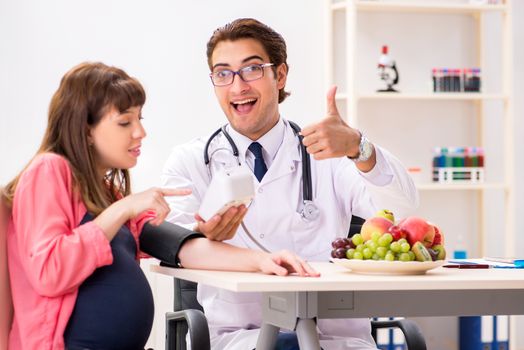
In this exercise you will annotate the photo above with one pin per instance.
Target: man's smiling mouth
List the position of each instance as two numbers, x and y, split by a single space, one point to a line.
244 106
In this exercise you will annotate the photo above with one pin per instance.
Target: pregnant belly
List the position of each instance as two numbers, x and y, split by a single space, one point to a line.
114 309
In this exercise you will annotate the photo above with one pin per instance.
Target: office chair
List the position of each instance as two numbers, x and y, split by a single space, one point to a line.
188 315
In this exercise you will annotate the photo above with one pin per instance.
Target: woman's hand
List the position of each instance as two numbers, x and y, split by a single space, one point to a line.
284 262
151 200
118 213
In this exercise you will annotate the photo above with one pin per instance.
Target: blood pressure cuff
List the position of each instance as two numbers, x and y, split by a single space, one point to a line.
165 241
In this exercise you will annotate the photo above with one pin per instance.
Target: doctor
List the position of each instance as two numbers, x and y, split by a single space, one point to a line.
349 176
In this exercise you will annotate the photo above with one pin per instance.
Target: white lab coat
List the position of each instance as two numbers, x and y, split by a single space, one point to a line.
339 191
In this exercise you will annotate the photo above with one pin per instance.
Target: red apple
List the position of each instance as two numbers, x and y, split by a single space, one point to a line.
418 230
397 233
439 237
375 224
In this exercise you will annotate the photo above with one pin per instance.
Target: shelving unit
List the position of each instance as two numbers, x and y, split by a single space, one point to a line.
432 96
425 7
353 97
343 67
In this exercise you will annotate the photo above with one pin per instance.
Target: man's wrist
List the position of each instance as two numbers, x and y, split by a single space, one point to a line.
365 150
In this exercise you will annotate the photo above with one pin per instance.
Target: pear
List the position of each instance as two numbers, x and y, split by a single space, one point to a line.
386 214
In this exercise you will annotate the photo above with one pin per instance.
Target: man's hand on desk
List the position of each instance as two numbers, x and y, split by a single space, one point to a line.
221 227
283 262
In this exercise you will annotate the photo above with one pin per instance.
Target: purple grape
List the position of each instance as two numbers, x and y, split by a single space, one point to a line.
350 244
338 243
339 253
433 253
341 242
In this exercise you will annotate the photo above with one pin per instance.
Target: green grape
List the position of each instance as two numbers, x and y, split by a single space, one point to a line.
381 252
402 240
359 248
367 253
404 257
372 245
375 236
411 255
375 256
388 237
389 257
358 256
350 253
395 247
357 239
383 241
404 247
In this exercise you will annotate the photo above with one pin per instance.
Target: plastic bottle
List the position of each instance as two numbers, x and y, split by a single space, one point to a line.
445 158
446 80
460 251
474 157
480 155
467 80
434 78
476 79
436 157
468 157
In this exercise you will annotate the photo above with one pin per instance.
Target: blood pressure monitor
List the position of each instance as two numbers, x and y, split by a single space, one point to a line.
228 188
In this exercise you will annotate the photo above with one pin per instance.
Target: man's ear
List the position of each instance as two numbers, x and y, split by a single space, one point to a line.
281 76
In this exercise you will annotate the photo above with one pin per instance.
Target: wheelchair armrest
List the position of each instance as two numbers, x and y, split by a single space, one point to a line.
196 323
412 334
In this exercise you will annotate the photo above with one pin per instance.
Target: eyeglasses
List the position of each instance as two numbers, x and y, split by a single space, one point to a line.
249 73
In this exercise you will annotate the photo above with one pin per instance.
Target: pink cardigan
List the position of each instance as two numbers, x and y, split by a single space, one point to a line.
6 306
49 254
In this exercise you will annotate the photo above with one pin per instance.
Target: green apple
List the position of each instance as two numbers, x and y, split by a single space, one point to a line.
386 214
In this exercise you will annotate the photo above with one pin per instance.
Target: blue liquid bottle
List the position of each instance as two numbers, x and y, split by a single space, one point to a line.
460 251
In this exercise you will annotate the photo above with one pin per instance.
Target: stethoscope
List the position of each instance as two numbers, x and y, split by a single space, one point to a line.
309 211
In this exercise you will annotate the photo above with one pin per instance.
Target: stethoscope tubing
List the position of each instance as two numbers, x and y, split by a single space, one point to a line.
310 211
307 186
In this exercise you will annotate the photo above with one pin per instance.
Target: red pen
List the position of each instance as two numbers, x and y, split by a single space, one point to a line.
468 266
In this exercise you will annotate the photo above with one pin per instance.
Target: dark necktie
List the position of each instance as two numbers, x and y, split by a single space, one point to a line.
260 165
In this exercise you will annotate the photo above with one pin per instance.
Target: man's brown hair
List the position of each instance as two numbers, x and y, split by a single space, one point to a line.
249 28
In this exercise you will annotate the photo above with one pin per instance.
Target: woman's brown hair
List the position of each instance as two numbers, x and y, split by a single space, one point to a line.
85 94
249 28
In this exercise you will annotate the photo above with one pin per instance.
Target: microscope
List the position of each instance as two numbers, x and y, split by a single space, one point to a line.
387 70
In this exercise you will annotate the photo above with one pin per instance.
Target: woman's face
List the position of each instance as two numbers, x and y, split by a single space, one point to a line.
117 139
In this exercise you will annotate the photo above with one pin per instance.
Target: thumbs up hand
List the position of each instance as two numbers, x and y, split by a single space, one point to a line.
332 137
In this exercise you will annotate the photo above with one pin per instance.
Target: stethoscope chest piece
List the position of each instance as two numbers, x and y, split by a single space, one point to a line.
310 212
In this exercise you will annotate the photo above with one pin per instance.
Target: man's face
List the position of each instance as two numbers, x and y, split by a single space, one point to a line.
251 107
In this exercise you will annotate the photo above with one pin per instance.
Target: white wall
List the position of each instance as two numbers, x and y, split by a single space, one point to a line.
162 43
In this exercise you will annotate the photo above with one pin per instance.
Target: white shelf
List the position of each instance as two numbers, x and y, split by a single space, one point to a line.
432 96
401 6
460 187
441 96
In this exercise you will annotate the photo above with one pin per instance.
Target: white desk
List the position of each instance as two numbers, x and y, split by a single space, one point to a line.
294 302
